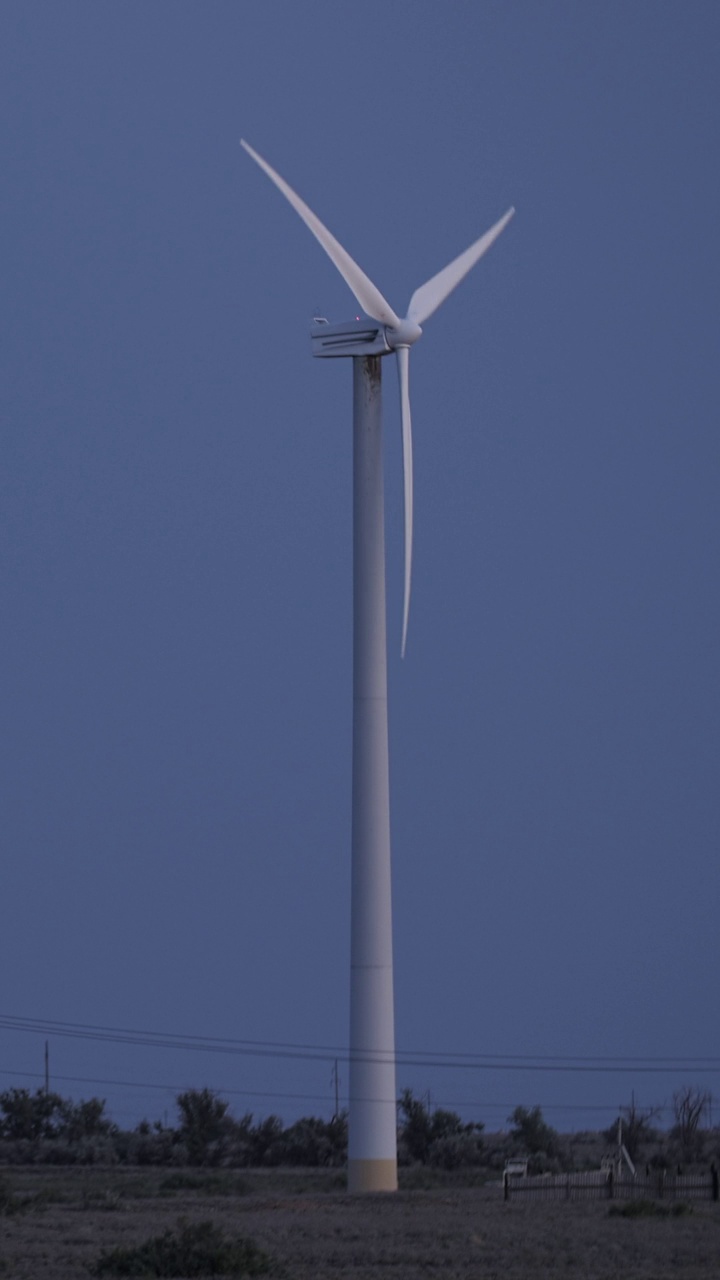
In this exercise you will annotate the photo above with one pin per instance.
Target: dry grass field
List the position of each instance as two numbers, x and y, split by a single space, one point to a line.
314 1230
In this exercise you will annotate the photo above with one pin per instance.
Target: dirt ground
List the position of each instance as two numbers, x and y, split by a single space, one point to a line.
314 1231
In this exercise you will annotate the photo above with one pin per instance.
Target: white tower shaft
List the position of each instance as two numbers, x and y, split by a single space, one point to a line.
372 1154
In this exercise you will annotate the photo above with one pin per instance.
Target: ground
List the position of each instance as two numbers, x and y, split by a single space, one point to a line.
316 1231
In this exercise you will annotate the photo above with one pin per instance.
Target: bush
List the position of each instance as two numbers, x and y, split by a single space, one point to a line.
204 1124
198 1249
9 1202
457 1151
265 1142
636 1129
649 1209
22 1152
87 1151
314 1143
28 1116
439 1138
535 1136
541 1162
146 1146
79 1121
690 1106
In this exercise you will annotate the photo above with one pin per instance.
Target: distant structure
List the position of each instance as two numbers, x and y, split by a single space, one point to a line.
372 1153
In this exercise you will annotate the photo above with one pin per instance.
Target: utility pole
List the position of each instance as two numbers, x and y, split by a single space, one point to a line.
335 1079
47 1067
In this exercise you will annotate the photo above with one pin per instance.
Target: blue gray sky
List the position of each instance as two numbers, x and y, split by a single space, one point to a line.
175 547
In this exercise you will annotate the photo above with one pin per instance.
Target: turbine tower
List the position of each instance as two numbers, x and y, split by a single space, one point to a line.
372 1143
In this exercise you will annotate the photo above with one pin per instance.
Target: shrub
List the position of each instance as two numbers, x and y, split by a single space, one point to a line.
203 1124
9 1202
635 1128
535 1136
541 1162
22 1152
439 1138
457 1151
197 1249
265 1142
82 1120
649 1209
313 1142
690 1106
146 1146
86 1151
27 1116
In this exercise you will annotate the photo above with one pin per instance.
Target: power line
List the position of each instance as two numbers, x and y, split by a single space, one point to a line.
426 1058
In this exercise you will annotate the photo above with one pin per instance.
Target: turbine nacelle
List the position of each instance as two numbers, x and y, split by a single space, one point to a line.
360 337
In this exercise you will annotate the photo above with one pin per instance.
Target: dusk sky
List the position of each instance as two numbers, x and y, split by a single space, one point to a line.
176 549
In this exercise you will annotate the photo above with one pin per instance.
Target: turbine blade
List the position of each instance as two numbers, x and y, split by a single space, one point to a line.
430 295
370 298
403 363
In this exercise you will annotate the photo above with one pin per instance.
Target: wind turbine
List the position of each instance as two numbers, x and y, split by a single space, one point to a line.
372 1143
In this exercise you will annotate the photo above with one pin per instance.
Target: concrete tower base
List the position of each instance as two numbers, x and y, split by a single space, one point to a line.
372 1175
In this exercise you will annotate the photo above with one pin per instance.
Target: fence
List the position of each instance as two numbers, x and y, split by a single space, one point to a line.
606 1185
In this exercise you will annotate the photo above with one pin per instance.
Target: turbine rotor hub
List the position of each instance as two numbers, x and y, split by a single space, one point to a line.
406 333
